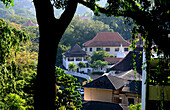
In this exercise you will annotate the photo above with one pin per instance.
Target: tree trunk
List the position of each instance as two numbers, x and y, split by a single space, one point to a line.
51 31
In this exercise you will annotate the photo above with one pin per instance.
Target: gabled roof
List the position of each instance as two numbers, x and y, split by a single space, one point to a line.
75 51
129 75
95 105
107 39
127 63
107 82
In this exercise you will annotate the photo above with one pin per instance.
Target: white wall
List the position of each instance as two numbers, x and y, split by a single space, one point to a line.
111 52
66 62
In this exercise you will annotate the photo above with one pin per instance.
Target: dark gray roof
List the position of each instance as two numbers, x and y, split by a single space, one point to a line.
75 51
127 63
133 87
107 82
95 105
129 75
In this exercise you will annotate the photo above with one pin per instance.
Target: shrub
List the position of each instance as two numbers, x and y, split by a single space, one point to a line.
135 107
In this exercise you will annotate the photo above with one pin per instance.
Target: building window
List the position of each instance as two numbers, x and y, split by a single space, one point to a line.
70 59
130 101
90 49
126 49
78 59
107 49
98 49
116 49
85 49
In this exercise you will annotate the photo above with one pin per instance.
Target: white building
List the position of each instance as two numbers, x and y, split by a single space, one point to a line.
76 55
108 41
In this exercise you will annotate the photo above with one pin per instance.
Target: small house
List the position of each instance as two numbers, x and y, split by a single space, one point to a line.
76 55
120 89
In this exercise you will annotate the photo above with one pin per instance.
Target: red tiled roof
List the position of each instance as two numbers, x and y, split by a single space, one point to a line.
107 39
112 60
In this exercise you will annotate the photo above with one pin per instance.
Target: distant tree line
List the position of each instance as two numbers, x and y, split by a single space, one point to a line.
79 31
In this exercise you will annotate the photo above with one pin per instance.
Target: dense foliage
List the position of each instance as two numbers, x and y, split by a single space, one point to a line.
117 24
18 67
80 31
99 55
81 65
137 106
98 64
67 91
20 11
14 70
72 67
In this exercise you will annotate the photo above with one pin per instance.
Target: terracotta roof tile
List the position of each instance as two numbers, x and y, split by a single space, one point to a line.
112 60
107 39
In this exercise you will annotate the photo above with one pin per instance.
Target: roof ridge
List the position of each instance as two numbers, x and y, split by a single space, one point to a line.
111 82
117 78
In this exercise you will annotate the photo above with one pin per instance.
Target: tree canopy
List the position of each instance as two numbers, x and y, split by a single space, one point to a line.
98 55
99 64
80 31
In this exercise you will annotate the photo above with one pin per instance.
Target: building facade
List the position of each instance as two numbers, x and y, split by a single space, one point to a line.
118 89
76 55
108 41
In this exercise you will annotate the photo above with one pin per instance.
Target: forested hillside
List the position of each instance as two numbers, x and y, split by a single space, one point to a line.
117 24
16 10
79 31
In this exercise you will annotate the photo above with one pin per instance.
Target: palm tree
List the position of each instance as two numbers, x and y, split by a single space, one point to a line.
72 67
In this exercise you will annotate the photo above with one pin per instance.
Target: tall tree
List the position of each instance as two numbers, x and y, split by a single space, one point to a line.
45 93
53 28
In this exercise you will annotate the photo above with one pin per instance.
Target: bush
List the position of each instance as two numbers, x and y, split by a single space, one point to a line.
135 107
13 102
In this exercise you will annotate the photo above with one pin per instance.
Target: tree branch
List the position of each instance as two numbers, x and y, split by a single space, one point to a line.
68 14
44 12
94 7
